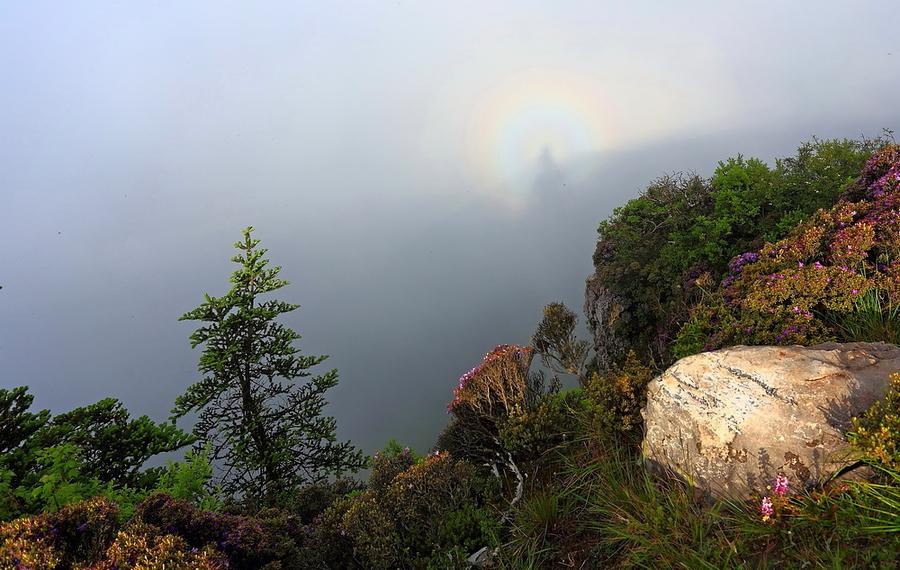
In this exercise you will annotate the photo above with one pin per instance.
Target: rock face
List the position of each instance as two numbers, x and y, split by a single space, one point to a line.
731 420
605 311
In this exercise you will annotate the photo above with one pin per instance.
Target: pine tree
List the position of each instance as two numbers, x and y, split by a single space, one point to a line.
263 421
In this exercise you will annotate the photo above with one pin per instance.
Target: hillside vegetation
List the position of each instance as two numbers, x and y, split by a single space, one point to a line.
527 474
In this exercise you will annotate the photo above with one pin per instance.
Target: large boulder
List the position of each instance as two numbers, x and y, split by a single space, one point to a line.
729 421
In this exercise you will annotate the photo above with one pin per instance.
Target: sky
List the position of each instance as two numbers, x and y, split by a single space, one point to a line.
428 174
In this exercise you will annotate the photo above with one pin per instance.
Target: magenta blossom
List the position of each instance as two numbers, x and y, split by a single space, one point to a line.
781 485
766 508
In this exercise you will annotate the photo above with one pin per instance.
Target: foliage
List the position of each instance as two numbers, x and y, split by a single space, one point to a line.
372 531
615 399
265 429
189 480
643 255
538 523
429 511
876 434
604 509
60 480
18 425
465 530
495 386
876 506
829 270
57 479
874 317
79 532
47 462
144 547
529 433
388 463
427 497
84 535
470 439
311 500
113 446
429 489
328 545
659 252
556 342
484 397
248 542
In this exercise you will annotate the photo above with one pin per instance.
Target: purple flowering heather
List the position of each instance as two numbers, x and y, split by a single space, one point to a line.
736 264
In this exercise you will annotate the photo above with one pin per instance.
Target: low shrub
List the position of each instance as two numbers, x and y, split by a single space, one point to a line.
311 500
830 270
373 532
422 494
876 434
614 399
248 542
429 513
144 547
388 463
327 543
78 532
484 397
496 385
465 530
530 433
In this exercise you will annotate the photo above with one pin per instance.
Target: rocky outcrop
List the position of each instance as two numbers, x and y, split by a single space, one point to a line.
731 420
605 313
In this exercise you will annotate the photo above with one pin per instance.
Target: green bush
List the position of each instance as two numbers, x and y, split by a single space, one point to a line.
429 513
189 480
388 463
876 434
836 276
614 400
466 530
311 500
373 532
656 251
530 433
49 461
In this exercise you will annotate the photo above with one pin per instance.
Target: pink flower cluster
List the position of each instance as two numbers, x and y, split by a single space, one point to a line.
780 488
513 351
766 508
781 485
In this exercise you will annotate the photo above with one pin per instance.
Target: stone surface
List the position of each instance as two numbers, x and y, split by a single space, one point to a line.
729 421
481 558
605 312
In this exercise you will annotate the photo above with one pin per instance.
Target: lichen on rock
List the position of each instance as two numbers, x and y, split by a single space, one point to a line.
731 420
